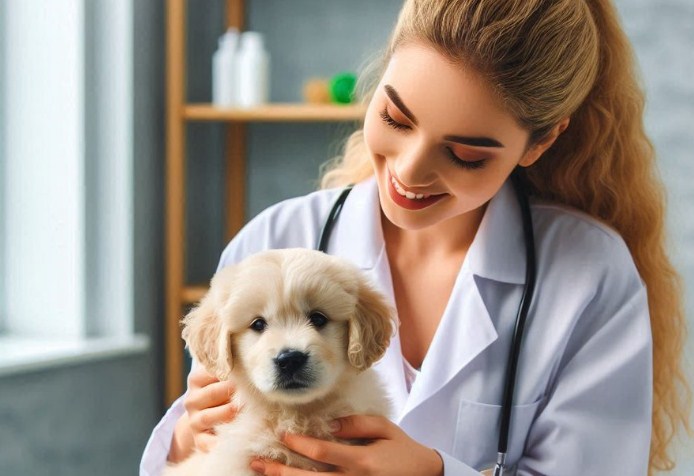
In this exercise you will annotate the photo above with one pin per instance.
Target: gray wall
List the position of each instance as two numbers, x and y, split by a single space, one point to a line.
81 420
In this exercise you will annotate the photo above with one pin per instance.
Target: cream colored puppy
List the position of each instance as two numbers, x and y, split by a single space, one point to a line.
296 331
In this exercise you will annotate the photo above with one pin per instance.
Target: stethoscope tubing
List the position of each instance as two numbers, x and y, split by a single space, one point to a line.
329 224
519 329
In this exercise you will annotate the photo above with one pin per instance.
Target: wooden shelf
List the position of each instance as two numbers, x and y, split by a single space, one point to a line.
193 294
280 112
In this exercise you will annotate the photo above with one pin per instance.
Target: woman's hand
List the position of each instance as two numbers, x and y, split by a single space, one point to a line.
390 452
207 404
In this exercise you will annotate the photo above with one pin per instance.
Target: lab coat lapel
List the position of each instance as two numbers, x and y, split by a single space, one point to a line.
358 233
465 330
390 367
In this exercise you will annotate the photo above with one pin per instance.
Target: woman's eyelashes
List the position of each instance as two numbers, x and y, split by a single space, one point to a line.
466 164
392 122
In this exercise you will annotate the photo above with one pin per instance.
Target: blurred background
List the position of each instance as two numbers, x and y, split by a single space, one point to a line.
83 194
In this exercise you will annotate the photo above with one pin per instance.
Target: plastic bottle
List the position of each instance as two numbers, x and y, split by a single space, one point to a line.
225 70
253 71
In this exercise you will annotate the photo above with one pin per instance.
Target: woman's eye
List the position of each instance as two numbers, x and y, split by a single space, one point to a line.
259 325
466 164
317 319
392 122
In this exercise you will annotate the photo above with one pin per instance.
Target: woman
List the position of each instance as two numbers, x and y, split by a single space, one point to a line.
471 90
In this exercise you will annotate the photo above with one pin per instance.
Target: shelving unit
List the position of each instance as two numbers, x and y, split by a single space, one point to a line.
180 294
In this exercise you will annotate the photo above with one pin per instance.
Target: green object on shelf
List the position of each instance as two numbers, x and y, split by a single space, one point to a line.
342 88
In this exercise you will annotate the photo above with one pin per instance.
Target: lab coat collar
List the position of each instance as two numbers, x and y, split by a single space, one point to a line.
497 251
465 330
358 230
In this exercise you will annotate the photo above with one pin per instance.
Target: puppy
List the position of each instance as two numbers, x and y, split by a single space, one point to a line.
296 331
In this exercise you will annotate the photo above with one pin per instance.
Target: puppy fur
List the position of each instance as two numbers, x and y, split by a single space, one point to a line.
297 332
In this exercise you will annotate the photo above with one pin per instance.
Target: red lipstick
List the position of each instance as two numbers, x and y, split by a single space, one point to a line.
411 204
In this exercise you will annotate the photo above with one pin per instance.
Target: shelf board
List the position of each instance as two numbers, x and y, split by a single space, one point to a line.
193 294
279 112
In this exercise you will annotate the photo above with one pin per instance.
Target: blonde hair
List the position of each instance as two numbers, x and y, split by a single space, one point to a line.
550 59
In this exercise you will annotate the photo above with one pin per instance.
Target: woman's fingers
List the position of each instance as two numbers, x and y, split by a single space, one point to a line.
199 377
272 468
356 427
212 395
205 420
207 404
205 441
362 427
336 454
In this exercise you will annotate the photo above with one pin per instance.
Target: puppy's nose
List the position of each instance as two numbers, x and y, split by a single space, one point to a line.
289 361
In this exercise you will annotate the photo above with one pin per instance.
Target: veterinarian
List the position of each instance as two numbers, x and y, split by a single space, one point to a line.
468 92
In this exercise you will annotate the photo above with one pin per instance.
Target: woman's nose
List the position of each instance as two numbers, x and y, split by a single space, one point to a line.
414 167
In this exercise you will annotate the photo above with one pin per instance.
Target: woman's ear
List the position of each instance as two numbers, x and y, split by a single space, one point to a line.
202 331
370 328
536 150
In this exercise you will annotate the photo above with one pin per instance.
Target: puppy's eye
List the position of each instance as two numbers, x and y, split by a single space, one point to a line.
317 319
259 325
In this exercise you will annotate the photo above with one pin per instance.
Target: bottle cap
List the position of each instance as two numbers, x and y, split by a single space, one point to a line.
229 38
252 40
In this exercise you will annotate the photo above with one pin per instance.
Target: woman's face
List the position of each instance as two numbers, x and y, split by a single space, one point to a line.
440 143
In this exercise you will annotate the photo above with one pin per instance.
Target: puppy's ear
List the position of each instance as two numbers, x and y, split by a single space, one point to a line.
370 329
202 332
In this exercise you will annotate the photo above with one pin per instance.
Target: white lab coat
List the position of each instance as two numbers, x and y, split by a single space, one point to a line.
584 389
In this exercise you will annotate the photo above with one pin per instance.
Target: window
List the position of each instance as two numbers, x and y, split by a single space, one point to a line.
3 159
66 252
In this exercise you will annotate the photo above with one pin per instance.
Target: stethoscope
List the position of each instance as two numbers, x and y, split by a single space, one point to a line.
529 286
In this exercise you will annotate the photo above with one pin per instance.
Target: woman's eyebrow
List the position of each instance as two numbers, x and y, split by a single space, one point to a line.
475 141
395 97
471 141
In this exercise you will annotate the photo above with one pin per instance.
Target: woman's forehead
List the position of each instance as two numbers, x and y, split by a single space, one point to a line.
440 93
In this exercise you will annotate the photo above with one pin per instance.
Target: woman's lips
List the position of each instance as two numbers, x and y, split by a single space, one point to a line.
409 200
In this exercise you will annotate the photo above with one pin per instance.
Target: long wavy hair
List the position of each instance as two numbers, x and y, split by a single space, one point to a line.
547 60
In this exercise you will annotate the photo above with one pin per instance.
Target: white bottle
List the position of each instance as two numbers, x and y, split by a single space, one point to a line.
224 70
253 71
